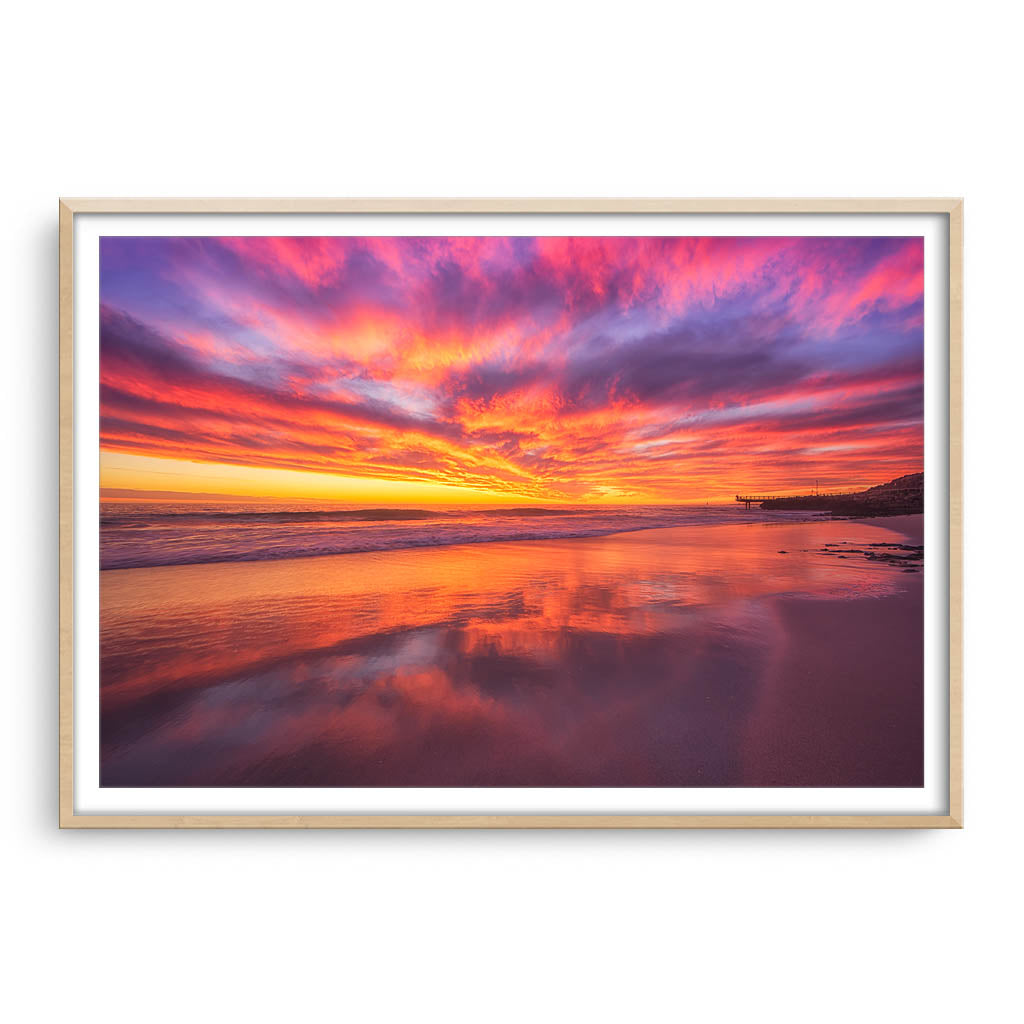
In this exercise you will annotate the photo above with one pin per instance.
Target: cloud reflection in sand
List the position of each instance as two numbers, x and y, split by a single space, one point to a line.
632 660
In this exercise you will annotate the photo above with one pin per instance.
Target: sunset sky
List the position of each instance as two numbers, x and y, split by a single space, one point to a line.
509 369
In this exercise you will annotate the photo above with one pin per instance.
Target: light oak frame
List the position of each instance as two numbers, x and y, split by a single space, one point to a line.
952 208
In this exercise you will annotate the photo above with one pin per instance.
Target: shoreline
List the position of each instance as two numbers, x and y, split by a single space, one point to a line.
907 525
670 657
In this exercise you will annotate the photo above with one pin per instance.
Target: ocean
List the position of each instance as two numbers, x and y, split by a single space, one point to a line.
144 534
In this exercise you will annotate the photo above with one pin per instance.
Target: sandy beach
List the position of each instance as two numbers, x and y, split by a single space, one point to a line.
741 655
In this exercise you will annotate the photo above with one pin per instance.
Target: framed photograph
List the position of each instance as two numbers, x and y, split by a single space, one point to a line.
510 513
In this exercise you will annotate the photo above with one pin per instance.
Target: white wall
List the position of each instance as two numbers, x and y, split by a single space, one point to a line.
518 99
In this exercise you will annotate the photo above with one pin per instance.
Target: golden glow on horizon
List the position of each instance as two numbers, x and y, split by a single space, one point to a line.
121 471
139 475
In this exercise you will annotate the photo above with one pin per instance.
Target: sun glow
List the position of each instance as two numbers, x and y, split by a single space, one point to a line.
139 476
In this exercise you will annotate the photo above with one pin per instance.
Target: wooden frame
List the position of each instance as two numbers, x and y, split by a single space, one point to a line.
952 208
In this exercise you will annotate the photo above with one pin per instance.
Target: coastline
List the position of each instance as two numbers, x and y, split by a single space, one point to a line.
243 546
699 655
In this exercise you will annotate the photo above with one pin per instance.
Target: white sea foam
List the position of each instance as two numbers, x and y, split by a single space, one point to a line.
138 534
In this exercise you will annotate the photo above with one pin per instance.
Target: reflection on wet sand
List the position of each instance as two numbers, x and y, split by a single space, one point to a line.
722 655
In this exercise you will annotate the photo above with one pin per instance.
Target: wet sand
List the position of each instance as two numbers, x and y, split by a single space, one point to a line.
697 656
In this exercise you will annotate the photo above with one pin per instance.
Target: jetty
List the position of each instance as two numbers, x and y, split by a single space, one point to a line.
902 496
755 499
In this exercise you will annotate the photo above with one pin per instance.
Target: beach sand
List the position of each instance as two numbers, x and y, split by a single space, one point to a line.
755 655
